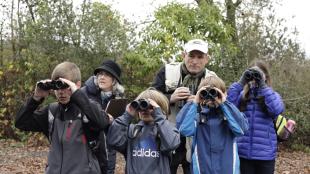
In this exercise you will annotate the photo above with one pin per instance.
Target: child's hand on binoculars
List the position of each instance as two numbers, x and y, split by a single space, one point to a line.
71 84
197 96
221 98
153 103
131 111
40 93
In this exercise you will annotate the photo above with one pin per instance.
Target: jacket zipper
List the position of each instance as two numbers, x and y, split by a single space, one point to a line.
252 131
62 148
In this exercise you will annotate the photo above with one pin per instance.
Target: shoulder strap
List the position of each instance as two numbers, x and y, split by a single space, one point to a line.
172 75
52 110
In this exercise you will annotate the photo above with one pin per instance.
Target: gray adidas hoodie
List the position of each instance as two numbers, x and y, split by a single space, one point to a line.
148 146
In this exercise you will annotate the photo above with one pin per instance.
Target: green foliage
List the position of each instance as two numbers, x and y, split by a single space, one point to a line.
177 23
138 72
51 34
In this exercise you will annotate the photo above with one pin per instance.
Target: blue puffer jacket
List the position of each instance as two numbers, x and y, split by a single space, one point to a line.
260 142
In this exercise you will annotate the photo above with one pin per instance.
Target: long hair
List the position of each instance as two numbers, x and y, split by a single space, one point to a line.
158 97
246 89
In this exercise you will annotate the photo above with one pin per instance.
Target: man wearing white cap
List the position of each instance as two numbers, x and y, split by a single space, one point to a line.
179 82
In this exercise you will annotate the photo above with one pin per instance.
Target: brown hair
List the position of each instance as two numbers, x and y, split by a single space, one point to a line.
157 96
67 70
213 81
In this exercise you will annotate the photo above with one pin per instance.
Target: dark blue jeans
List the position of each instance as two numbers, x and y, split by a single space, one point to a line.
257 166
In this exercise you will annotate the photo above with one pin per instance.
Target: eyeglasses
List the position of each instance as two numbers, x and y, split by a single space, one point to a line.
103 73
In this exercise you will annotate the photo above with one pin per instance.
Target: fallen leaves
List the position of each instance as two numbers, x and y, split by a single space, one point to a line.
18 158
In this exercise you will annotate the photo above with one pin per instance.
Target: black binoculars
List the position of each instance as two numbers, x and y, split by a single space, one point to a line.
54 84
251 74
209 94
140 105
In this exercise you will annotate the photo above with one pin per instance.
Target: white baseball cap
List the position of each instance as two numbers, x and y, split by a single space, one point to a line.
196 44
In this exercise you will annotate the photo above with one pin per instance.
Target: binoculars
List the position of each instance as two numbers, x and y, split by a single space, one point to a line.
54 84
209 94
251 74
140 105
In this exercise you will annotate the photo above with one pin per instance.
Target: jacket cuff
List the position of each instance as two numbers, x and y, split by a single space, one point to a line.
126 118
158 115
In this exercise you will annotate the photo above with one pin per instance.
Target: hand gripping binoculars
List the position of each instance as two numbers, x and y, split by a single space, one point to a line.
209 94
54 84
140 105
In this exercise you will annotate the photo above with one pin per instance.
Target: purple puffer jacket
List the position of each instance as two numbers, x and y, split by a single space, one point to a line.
260 141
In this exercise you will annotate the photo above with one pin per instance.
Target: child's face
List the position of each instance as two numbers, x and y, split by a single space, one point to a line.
63 95
146 116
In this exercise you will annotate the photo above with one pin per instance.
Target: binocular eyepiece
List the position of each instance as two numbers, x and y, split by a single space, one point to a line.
209 94
251 74
140 105
54 84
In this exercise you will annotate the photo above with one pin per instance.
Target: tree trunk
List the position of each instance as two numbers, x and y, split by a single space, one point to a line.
1 44
30 10
231 20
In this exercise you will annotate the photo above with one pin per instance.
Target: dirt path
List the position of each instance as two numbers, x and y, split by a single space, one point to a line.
16 158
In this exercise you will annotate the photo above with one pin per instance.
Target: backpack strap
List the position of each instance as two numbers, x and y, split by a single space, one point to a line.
52 111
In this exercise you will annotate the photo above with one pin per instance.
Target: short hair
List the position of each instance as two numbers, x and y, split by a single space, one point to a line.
158 97
213 81
67 70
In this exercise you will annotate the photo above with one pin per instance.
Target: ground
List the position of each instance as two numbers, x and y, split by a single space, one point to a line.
18 158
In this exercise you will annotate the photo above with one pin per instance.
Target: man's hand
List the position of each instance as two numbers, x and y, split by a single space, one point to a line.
180 93
40 93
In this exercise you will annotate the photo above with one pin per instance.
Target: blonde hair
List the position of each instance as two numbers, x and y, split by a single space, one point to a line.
157 96
67 70
213 81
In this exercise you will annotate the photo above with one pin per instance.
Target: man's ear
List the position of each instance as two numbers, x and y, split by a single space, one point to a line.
78 84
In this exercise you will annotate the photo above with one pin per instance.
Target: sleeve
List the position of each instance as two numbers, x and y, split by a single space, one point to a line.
169 135
159 82
29 118
117 136
234 93
273 101
186 119
237 121
92 110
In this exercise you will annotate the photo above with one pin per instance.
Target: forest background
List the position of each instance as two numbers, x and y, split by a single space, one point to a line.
35 35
